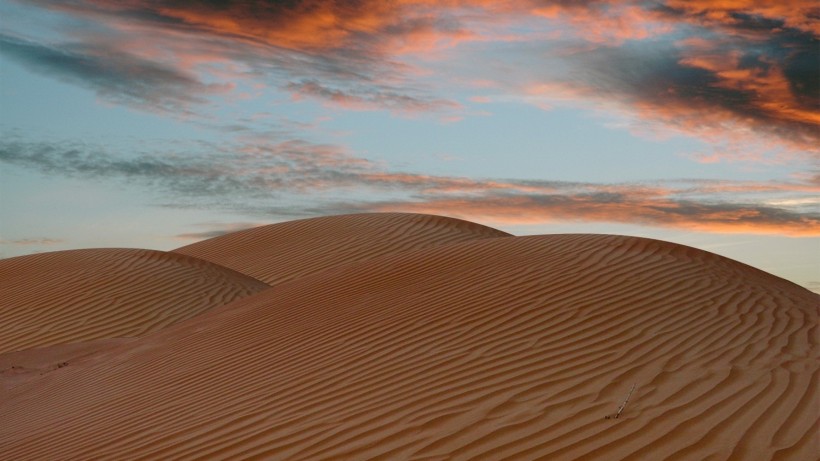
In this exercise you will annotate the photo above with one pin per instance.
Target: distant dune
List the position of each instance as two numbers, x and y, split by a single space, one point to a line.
421 337
285 251
80 295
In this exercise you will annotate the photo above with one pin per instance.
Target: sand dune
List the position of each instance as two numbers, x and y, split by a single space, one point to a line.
502 348
81 295
285 251
18 368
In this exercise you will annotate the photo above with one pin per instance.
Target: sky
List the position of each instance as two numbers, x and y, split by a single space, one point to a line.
155 124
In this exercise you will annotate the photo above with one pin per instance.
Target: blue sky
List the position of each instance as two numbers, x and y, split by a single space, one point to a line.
154 124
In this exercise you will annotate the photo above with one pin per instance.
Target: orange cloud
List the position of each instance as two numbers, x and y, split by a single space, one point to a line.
741 71
747 103
309 25
797 14
608 24
714 218
317 174
764 77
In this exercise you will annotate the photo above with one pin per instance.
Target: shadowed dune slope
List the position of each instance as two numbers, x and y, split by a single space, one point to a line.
507 348
81 295
284 251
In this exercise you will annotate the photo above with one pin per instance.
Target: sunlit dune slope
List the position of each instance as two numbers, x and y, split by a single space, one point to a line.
518 347
81 295
284 251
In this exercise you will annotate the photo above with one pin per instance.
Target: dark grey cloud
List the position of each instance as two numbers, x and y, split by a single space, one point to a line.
203 174
802 70
189 175
769 40
795 51
654 73
660 76
113 74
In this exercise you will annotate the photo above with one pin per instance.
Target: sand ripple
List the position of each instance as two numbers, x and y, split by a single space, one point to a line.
285 251
82 295
495 348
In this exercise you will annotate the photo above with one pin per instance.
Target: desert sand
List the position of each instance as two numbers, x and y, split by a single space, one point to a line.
81 295
282 252
401 336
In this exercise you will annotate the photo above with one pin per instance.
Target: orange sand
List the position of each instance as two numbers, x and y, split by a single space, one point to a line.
282 252
80 295
453 342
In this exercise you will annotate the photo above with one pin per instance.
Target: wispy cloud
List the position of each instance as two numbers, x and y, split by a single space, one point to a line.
250 177
380 98
341 52
113 74
661 211
31 241
190 175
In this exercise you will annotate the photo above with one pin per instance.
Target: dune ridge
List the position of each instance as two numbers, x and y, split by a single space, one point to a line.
280 252
81 295
501 348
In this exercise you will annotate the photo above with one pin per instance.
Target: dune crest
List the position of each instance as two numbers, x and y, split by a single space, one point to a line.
500 348
280 252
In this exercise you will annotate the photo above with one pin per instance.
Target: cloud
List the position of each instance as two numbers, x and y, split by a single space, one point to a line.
618 208
31 241
113 74
746 15
303 179
189 176
745 69
605 22
361 26
340 51
731 93
366 98
751 63
742 75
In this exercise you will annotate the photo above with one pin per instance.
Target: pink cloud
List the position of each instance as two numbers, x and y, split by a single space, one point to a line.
712 218
742 72
329 179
